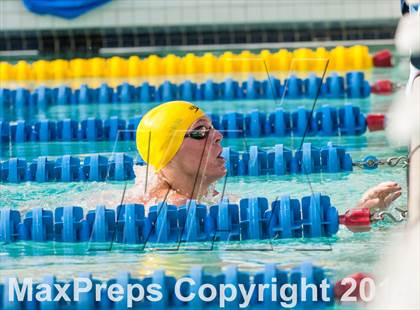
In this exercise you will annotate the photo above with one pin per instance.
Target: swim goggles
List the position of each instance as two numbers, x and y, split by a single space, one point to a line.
199 133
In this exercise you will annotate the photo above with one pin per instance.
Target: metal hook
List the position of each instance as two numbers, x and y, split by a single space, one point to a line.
403 212
394 161
381 216
371 162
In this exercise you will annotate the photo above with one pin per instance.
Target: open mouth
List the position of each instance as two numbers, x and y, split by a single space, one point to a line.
220 155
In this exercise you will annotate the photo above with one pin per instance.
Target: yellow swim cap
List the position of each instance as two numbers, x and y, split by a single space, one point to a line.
161 131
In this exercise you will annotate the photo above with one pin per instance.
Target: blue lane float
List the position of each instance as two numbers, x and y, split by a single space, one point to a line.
37 226
132 226
69 225
4 132
308 159
284 218
223 221
9 225
20 131
252 218
281 160
14 170
67 168
357 86
351 120
353 86
256 161
325 121
231 277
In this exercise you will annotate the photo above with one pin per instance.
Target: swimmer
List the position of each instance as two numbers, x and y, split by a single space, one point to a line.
184 150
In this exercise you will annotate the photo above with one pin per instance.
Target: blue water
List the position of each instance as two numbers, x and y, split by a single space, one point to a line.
344 254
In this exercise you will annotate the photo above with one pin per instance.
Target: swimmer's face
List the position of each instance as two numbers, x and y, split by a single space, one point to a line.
201 155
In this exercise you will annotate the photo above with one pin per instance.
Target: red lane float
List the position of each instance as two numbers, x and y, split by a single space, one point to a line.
382 87
382 59
375 122
356 220
346 286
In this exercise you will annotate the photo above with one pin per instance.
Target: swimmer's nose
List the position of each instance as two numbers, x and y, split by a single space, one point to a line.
217 136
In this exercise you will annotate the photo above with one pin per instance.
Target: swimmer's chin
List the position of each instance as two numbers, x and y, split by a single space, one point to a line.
222 174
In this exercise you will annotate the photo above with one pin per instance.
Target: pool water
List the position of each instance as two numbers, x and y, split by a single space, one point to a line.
343 254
